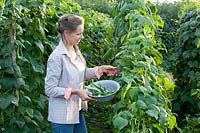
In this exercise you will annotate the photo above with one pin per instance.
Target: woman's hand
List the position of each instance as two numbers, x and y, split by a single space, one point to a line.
83 94
109 70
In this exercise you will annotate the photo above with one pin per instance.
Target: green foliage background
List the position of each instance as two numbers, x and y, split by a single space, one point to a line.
187 92
181 40
28 35
143 104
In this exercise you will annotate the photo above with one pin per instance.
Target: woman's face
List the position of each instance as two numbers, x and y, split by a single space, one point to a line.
73 38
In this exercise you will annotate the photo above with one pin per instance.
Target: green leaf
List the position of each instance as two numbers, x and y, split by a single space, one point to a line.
5 101
26 111
19 83
193 63
6 50
120 122
13 82
168 84
5 62
4 82
117 106
172 122
42 32
19 29
29 111
141 104
133 107
29 120
149 99
194 92
142 89
197 32
41 101
132 34
153 107
38 116
185 36
36 66
20 122
133 93
158 127
10 70
123 63
141 64
1 4
153 113
163 116
17 71
126 115
15 101
186 54
40 45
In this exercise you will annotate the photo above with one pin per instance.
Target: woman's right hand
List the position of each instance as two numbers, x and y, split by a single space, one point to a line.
83 94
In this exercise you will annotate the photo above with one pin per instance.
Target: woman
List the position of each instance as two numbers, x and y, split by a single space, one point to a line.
66 72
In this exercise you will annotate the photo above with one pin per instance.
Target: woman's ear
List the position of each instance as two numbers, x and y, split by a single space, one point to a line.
66 32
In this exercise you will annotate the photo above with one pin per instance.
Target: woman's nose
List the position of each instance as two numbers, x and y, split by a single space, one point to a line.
82 36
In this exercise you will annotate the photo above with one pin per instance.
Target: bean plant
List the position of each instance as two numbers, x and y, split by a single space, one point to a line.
143 104
187 72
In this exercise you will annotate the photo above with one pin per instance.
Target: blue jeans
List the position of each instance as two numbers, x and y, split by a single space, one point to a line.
71 128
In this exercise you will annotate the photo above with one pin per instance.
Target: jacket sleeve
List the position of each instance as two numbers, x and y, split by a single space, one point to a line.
53 74
91 73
